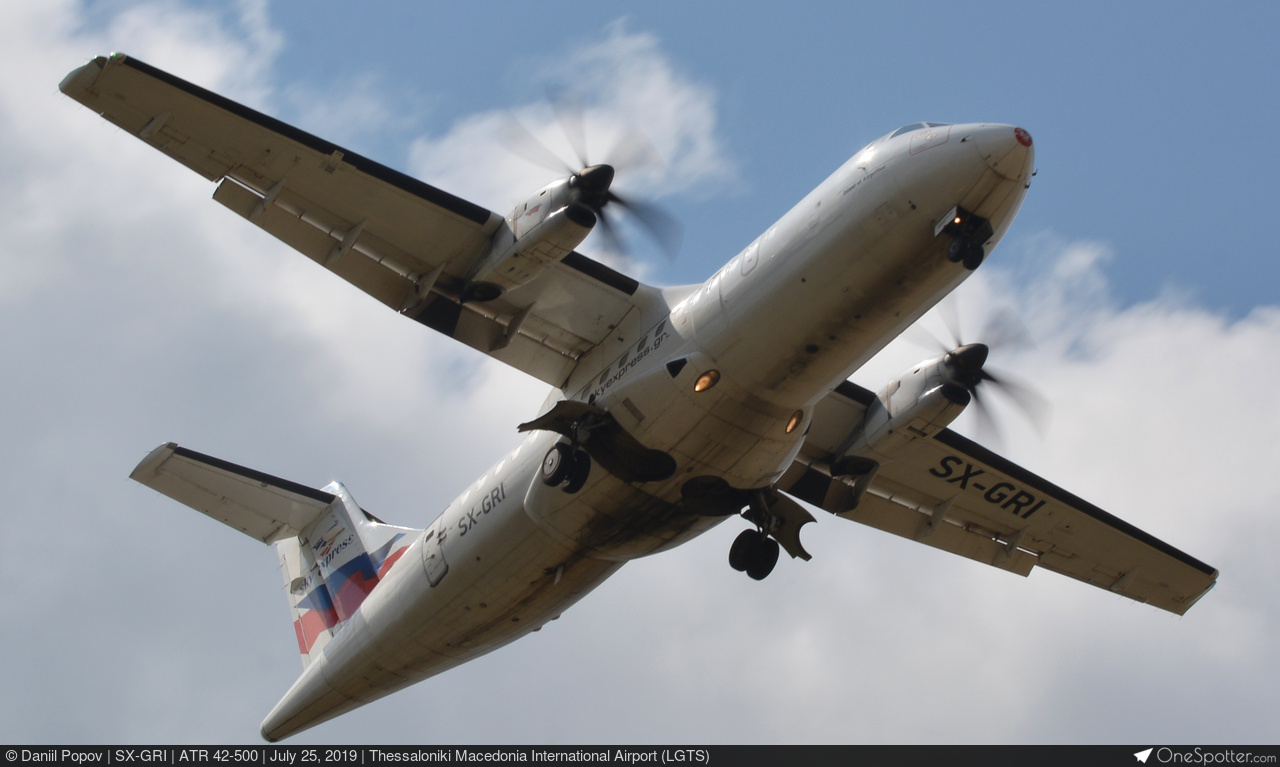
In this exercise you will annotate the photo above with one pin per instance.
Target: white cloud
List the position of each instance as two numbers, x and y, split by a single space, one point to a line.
622 85
56 164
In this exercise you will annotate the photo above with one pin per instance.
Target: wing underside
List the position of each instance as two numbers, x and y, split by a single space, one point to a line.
259 505
404 242
953 494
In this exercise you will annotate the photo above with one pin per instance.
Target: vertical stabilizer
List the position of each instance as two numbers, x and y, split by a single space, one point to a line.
332 566
332 552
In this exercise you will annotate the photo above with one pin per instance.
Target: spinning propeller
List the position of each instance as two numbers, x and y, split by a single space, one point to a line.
594 181
966 363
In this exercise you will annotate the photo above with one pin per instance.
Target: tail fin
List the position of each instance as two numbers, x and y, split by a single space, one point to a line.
333 565
332 552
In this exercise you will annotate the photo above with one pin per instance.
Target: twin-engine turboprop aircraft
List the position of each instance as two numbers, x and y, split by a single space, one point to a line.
672 409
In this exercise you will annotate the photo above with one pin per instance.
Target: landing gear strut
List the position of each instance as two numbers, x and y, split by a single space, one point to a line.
565 466
754 553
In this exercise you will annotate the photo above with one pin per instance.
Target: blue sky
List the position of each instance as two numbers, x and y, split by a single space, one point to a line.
1150 119
136 311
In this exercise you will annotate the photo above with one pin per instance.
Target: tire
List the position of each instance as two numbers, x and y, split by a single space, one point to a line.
973 257
579 470
556 464
743 550
766 557
957 249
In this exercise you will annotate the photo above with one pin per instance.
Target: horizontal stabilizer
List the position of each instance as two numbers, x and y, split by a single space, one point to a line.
259 505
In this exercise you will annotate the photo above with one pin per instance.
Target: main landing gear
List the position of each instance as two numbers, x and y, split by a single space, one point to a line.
777 520
754 553
566 466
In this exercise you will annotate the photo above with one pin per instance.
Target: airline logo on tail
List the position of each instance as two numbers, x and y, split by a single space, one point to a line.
323 545
337 597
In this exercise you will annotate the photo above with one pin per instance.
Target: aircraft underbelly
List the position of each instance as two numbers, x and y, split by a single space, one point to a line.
613 520
477 579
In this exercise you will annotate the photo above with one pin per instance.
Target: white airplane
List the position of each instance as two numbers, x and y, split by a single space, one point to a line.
672 409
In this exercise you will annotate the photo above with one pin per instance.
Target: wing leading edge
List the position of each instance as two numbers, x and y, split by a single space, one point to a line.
953 494
402 241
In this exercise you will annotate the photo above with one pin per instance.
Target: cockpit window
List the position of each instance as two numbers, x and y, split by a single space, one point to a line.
916 126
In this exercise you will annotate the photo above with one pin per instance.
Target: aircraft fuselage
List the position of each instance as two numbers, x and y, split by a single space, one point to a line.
780 325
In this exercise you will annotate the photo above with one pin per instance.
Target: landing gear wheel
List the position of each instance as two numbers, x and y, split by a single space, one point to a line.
973 257
743 549
766 557
754 553
579 470
556 465
957 249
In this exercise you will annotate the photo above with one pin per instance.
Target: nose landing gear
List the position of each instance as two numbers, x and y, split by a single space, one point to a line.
969 232
962 250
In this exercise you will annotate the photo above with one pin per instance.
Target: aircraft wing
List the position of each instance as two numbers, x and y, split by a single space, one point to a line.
404 242
953 494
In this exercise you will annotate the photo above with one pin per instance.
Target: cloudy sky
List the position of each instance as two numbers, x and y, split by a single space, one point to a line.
136 311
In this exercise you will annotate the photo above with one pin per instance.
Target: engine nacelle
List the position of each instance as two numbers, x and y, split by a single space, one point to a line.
539 232
916 405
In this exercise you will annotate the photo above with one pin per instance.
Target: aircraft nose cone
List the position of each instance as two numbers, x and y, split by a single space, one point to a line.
1006 149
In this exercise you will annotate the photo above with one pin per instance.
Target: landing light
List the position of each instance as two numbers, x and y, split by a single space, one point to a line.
796 418
707 380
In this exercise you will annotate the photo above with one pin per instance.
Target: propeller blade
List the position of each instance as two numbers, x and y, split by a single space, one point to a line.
921 337
571 114
635 152
1034 405
1004 330
986 423
660 225
610 233
520 141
